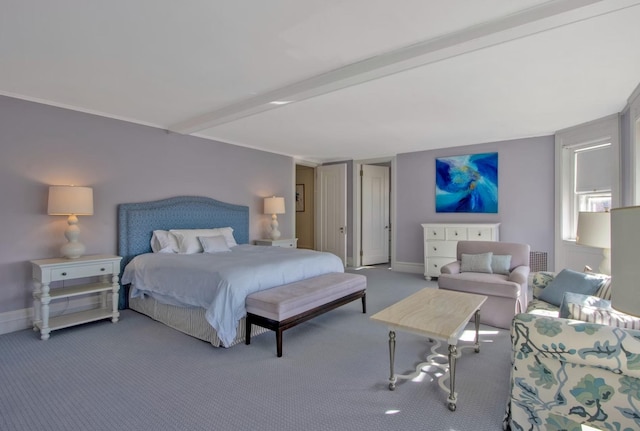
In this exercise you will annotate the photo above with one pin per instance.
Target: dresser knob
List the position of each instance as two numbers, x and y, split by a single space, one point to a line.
456 233
64 274
102 269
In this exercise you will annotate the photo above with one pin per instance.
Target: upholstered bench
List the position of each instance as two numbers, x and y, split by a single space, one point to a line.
285 306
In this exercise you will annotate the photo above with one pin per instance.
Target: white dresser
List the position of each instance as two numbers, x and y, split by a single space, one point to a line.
441 241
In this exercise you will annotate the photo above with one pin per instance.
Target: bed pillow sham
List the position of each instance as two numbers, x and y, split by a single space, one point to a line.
214 244
188 242
162 241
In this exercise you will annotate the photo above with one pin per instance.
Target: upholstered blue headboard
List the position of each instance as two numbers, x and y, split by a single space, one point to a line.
137 221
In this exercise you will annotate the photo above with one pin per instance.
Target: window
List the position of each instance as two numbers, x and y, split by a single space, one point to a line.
587 172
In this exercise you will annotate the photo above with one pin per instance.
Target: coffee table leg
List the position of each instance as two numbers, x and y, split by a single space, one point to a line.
452 376
477 341
392 354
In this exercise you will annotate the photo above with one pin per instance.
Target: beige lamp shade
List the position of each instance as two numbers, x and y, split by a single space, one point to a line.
594 230
274 205
67 200
71 201
625 260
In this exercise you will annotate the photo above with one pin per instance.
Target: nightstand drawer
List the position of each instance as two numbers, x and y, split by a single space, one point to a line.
81 271
284 243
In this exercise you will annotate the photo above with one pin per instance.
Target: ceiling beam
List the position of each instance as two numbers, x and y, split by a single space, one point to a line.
530 21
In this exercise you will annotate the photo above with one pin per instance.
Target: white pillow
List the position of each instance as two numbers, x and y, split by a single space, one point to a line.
227 233
214 244
162 241
188 238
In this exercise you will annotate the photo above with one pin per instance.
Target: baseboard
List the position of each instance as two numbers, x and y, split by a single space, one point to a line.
17 320
414 268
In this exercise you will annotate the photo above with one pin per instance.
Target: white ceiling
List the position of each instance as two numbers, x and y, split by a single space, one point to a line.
365 78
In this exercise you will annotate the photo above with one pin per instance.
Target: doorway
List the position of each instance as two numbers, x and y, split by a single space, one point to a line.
305 206
373 213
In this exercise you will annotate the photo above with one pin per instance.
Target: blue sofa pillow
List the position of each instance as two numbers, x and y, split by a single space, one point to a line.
582 300
569 281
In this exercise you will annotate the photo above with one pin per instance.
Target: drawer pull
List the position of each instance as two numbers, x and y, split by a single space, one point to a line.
456 234
64 274
435 248
102 269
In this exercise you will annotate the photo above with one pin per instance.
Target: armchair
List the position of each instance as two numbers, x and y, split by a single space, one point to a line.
505 284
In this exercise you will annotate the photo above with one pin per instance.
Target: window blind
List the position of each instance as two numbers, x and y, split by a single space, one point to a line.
593 169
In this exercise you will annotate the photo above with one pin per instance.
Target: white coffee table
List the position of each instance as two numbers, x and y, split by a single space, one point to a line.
436 314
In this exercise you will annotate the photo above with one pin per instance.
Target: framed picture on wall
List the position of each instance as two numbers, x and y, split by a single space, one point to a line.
299 197
467 184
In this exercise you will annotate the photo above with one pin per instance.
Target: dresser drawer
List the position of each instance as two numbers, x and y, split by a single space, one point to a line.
435 263
434 233
480 234
69 273
456 233
441 248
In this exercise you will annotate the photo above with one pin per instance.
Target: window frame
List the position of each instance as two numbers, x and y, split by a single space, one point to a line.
604 130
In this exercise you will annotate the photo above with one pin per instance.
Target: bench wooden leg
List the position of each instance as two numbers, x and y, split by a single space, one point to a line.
364 303
279 341
247 331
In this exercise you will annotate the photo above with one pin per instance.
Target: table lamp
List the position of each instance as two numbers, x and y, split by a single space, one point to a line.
625 261
594 230
72 201
274 205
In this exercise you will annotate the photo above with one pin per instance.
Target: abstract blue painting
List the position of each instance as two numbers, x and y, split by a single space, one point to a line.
467 184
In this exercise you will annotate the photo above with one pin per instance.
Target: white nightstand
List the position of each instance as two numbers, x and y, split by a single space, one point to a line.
286 242
46 271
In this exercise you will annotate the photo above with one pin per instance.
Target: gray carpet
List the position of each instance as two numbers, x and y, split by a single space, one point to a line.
141 375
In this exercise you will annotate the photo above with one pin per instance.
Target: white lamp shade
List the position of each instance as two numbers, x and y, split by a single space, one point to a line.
274 205
625 260
594 229
67 200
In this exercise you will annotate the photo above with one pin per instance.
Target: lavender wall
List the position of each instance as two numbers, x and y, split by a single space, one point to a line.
525 201
41 145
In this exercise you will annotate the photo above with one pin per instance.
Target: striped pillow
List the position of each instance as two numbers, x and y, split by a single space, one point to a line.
604 291
603 316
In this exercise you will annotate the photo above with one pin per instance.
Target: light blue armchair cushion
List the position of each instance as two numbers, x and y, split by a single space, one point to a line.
569 281
501 264
480 262
582 300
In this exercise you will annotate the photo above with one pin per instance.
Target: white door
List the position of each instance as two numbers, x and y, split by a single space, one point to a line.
332 210
375 214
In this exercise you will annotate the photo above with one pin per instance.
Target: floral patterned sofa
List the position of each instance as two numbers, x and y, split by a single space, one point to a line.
569 372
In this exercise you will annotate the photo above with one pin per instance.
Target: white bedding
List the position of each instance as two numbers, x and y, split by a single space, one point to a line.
220 282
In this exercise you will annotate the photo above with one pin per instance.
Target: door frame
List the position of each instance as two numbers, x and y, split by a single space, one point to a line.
357 208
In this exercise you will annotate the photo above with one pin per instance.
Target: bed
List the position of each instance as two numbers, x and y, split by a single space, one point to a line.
219 323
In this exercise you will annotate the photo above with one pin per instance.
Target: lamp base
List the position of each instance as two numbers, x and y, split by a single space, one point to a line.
74 248
605 265
275 233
